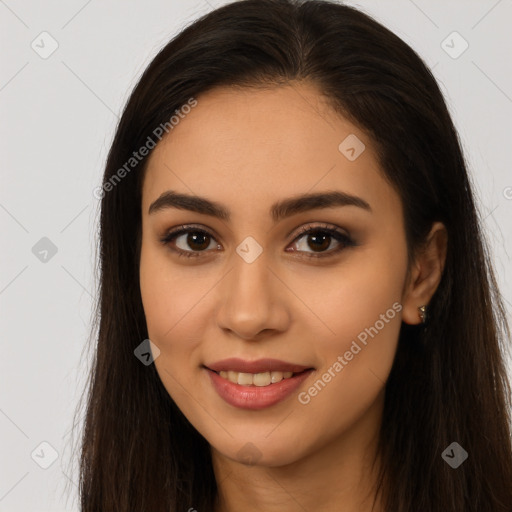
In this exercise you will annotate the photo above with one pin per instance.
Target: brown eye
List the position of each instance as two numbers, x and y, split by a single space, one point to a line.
319 239
189 241
196 240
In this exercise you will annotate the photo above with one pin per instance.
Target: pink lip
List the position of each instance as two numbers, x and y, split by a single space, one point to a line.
259 366
255 397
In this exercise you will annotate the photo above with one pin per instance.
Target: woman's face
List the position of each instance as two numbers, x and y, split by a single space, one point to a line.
255 288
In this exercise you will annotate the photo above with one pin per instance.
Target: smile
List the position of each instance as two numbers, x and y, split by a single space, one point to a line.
256 391
255 379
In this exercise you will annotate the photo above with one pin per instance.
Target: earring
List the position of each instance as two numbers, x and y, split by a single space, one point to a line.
423 313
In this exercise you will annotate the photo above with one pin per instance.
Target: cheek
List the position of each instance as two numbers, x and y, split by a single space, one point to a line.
154 288
174 300
171 306
358 295
168 295
363 313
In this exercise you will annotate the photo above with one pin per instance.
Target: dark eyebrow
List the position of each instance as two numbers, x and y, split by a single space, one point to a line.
280 210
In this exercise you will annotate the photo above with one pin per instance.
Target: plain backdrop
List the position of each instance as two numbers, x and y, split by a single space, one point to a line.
58 114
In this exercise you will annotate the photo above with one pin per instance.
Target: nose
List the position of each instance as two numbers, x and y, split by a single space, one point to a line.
253 300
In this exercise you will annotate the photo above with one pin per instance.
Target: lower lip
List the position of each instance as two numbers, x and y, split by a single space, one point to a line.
256 397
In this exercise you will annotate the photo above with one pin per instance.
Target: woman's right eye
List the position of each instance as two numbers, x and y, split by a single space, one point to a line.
195 238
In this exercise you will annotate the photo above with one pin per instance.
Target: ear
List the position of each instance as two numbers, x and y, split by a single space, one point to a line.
425 274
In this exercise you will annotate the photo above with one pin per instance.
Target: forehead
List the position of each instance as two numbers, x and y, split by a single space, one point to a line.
249 146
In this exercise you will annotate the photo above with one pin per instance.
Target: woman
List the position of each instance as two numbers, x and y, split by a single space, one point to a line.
297 310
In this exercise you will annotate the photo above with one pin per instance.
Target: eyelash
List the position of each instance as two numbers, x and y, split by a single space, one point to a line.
343 239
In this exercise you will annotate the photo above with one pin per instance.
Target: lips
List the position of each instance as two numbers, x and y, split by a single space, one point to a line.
254 397
258 366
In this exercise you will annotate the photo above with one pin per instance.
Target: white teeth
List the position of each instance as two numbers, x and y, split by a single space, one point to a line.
245 379
255 379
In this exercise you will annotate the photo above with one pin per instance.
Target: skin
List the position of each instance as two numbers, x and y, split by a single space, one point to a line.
246 149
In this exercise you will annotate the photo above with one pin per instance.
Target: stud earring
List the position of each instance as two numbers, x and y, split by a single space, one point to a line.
423 313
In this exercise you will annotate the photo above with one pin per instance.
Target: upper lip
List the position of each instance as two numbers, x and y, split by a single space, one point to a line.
258 366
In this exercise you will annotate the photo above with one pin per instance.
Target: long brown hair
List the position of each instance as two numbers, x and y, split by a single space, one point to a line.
448 383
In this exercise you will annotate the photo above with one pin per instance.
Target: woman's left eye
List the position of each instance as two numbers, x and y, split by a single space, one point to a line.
318 237
322 238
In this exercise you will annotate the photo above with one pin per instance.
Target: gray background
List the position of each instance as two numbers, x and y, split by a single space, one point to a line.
58 116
